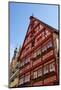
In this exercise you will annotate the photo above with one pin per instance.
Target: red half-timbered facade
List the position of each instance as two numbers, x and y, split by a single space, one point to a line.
39 55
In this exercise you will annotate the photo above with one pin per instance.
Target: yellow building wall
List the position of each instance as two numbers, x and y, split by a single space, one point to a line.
15 82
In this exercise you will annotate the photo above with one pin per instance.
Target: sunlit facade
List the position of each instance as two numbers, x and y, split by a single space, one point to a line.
39 56
37 62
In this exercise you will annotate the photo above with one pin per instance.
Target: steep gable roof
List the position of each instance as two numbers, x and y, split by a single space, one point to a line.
54 30
31 18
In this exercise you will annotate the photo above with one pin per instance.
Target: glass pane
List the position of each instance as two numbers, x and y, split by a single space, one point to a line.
49 44
44 48
45 69
35 74
52 67
39 72
27 78
21 80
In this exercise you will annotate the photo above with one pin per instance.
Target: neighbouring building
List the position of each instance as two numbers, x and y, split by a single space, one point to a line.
14 70
39 55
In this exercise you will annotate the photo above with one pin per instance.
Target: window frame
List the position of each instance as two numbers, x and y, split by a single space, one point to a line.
49 44
44 69
26 78
21 80
50 69
35 76
40 69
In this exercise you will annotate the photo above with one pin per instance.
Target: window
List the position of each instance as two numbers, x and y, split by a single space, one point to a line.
44 48
27 60
52 67
47 55
17 65
47 33
34 55
45 69
27 78
35 74
39 72
49 45
22 63
41 26
38 52
22 80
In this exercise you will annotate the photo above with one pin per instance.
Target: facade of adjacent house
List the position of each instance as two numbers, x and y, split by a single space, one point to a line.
39 55
14 71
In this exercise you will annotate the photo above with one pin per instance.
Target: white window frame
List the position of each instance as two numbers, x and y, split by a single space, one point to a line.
46 69
44 48
38 52
39 72
21 80
22 63
34 55
49 44
52 67
27 78
35 74
27 60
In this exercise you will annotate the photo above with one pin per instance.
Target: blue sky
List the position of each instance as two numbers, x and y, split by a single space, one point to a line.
19 20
